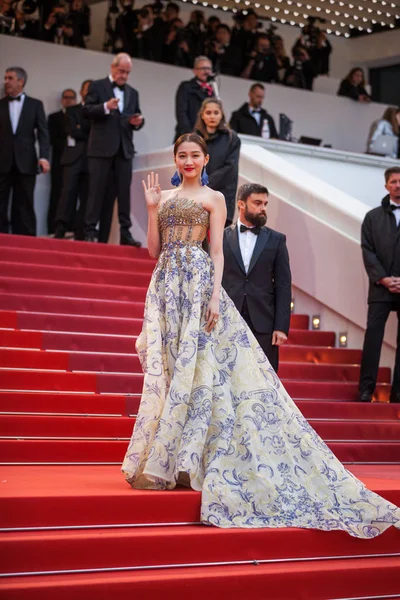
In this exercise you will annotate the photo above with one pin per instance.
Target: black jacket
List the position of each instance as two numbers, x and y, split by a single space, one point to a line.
380 243
20 147
78 128
109 132
57 134
243 122
189 98
223 166
351 91
266 285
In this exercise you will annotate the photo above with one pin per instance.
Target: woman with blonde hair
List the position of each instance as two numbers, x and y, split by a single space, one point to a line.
223 147
383 136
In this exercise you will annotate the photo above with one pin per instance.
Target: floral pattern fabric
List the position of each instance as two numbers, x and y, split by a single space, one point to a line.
213 408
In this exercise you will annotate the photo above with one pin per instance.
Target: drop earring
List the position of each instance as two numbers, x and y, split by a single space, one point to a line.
176 179
204 177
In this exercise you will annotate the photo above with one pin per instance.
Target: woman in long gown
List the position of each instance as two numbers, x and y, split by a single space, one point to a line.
213 412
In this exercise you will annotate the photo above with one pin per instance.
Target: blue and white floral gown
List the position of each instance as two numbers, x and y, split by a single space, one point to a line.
213 408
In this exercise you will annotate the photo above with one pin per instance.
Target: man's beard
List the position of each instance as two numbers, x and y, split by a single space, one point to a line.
256 220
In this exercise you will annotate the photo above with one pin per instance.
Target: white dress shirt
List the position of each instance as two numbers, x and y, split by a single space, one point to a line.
247 242
256 114
117 94
15 108
396 213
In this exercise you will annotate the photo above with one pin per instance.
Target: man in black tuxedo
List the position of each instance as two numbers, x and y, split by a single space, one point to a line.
257 272
251 118
113 108
22 120
75 170
58 136
190 96
380 243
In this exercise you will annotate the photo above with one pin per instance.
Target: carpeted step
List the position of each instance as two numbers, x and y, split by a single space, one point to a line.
350 578
331 390
326 372
49 381
11 338
42 256
110 451
151 546
67 274
27 426
55 496
64 403
12 358
311 338
320 409
317 355
8 318
73 290
71 306
76 323
51 244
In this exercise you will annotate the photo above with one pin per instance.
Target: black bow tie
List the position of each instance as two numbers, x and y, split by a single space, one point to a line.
11 99
255 230
120 87
256 110
393 207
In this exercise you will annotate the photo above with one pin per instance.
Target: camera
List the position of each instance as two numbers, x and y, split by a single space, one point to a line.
311 32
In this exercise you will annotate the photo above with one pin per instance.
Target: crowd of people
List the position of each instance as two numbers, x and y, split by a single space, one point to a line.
158 33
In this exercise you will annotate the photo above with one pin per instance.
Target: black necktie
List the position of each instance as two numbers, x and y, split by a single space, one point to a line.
255 230
120 87
11 99
393 207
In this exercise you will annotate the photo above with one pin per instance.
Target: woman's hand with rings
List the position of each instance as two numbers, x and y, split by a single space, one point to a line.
212 314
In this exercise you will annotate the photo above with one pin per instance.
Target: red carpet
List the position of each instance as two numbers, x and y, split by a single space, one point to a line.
70 385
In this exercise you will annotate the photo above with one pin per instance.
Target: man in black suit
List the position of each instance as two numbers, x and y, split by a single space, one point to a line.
257 272
380 243
75 170
190 96
251 118
262 64
113 108
225 56
22 120
56 125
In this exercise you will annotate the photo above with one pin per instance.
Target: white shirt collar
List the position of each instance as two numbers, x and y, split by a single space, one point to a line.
239 223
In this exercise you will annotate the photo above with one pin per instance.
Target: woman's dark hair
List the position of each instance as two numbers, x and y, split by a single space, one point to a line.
200 126
390 116
191 137
350 74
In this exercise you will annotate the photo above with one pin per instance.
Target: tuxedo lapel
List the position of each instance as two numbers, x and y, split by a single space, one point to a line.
6 115
262 239
127 97
233 239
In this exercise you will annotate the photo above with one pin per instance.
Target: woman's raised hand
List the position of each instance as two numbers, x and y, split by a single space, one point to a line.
152 191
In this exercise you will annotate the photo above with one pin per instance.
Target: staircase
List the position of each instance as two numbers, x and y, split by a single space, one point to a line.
70 385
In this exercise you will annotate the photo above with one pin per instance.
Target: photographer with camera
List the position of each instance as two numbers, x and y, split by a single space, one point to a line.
125 24
225 57
67 27
302 73
244 33
317 45
262 64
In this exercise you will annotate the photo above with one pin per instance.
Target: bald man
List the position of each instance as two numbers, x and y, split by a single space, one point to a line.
113 108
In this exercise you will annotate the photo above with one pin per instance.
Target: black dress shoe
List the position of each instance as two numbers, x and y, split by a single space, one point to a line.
79 236
128 240
365 397
90 237
59 233
395 398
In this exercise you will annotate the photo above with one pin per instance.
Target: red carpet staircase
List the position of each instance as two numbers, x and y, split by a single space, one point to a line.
70 385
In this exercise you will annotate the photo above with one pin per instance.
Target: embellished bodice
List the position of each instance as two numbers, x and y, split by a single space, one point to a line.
182 222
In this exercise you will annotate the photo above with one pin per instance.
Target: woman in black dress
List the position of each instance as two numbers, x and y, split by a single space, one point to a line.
353 86
223 146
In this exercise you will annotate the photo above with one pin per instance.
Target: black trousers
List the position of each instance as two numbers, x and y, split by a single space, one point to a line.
75 185
378 313
99 173
264 339
56 178
23 218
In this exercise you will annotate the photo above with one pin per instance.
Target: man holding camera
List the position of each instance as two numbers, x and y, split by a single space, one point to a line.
262 64
302 73
113 108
